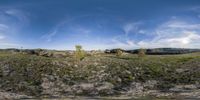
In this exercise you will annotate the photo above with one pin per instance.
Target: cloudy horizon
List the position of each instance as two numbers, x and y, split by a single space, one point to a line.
99 24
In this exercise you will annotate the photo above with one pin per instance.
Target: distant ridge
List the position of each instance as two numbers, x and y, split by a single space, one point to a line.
158 51
153 51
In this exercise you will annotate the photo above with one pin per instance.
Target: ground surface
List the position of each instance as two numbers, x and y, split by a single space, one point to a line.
32 76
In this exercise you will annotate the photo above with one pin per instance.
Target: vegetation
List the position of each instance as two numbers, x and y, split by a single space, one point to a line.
79 53
108 73
119 52
141 52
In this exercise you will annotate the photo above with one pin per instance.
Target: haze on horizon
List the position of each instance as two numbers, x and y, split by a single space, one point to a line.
99 24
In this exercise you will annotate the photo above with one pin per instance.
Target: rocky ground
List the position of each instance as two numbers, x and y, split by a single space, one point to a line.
37 75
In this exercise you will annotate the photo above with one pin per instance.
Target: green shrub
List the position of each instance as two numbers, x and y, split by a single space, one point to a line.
119 53
79 53
141 52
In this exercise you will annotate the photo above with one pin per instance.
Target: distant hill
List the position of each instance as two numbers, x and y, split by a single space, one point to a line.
153 51
158 51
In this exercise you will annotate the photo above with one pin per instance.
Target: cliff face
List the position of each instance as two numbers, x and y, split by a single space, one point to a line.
29 75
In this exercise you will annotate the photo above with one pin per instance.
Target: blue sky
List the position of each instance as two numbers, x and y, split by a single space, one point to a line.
99 24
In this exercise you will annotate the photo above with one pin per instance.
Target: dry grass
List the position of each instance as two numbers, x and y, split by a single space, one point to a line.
29 69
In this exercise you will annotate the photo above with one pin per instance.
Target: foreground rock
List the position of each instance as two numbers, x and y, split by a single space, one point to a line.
10 96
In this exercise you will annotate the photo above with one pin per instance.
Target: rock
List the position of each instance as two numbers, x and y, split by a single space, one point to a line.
119 79
157 93
87 86
105 86
45 54
12 96
183 88
59 54
150 84
193 94
84 88
180 70
136 88
48 87
6 70
52 85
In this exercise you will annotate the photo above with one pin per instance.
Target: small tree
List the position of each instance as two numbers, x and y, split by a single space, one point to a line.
79 53
119 52
141 52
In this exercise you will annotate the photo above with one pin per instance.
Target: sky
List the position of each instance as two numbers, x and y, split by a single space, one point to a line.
99 24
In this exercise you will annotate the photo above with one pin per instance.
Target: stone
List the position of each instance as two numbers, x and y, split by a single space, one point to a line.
12 96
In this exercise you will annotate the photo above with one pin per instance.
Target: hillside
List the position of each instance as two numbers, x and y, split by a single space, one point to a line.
25 75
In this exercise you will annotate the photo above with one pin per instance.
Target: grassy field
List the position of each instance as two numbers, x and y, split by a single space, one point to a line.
21 73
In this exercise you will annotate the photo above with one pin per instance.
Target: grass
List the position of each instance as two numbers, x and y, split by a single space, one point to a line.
26 71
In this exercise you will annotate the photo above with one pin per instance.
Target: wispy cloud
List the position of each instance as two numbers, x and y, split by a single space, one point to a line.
131 28
48 37
176 24
187 40
194 9
3 27
80 32
65 25
11 22
2 37
75 33
172 33
20 15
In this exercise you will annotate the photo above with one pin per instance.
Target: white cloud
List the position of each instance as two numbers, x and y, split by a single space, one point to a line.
20 15
131 27
48 36
11 22
187 40
3 26
194 9
76 33
121 41
181 25
173 33
81 32
142 31
2 37
67 22
130 43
